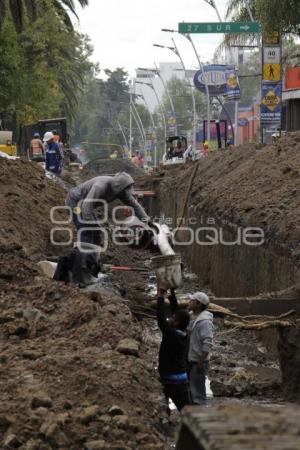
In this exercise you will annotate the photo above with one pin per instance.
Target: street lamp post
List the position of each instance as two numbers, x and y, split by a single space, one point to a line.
212 3
176 51
139 123
236 106
123 134
151 119
156 71
161 110
189 38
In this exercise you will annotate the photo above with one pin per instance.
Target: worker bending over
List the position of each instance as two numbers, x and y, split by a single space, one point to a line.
201 341
86 197
173 350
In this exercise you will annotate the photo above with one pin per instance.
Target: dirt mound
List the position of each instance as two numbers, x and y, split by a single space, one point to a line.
252 185
109 167
65 379
26 198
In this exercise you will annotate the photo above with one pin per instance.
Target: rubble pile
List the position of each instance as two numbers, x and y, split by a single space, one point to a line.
26 199
252 185
73 369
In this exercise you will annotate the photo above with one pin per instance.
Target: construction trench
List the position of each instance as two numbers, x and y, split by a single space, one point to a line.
79 366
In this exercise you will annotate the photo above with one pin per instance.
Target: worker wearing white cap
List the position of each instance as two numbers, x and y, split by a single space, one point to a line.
201 341
53 154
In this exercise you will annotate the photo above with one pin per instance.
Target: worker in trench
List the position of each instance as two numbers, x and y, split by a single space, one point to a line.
173 350
83 263
200 344
85 198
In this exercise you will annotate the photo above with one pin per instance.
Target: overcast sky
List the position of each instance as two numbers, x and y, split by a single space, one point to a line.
123 31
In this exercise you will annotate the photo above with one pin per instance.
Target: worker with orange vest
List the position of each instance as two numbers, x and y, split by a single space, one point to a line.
37 151
205 149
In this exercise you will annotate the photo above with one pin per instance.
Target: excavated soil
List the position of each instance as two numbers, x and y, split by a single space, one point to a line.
67 379
64 383
26 199
252 185
109 167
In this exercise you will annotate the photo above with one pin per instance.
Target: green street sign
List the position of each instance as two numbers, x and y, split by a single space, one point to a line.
218 27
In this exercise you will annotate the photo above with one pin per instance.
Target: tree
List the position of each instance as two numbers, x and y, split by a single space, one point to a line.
180 93
19 8
278 15
43 69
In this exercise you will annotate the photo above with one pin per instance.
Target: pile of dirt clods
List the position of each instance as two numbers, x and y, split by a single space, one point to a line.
74 371
72 368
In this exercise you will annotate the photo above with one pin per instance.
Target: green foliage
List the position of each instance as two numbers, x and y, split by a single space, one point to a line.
43 69
104 111
280 15
250 85
20 9
181 95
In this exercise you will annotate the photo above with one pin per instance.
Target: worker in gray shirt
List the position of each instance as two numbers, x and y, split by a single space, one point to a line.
201 341
86 197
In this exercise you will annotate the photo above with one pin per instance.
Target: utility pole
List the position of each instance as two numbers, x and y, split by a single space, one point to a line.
130 122
189 38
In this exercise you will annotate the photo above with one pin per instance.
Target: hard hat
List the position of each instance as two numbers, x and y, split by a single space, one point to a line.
48 136
36 135
200 297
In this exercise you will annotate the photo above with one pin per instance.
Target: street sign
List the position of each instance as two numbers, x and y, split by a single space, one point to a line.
272 72
272 55
243 122
272 38
218 27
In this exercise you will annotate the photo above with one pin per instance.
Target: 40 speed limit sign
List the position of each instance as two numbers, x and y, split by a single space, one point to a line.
272 55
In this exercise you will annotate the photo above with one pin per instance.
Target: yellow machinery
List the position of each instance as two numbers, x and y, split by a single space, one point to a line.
6 145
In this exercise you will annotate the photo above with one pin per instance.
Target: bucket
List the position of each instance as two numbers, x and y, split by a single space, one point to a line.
168 270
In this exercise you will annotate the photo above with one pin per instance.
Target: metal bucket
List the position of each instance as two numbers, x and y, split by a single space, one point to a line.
168 270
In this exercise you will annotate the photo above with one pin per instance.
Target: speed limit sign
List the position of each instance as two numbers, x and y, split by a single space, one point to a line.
272 55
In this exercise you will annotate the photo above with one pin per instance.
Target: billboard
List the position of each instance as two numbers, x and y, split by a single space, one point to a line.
233 90
171 124
215 76
221 80
271 104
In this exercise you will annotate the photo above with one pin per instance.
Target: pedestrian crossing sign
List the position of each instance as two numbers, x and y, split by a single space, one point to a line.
272 72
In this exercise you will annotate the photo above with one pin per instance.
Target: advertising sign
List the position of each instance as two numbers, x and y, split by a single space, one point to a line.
215 76
221 80
271 105
171 123
233 91
243 122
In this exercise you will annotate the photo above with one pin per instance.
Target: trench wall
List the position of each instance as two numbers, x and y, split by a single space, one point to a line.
235 270
229 270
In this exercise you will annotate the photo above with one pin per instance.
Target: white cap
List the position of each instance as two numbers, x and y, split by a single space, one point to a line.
48 136
200 297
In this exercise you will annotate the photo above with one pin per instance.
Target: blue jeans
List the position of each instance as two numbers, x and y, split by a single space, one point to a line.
197 379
